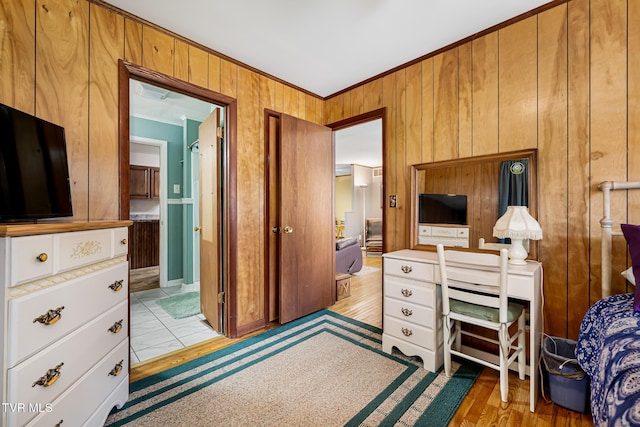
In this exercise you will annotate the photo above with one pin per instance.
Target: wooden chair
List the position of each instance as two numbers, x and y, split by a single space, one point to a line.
477 295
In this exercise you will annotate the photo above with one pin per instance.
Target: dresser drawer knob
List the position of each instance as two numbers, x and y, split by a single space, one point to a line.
116 286
407 332
49 378
117 370
50 317
406 269
42 257
407 312
407 292
116 327
123 241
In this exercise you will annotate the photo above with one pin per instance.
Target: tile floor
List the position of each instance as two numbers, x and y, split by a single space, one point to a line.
154 332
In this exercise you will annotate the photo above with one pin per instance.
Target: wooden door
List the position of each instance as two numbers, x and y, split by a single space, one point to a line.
209 147
307 244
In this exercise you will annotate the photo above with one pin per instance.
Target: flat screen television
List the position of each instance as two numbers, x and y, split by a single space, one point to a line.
442 209
34 172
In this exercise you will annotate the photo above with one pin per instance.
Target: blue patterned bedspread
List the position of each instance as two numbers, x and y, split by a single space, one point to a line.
609 352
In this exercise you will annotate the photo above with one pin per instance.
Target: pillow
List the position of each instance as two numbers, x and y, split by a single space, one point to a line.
632 235
628 274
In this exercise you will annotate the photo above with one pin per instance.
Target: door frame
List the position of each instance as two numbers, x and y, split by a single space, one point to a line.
341 124
162 145
127 71
364 118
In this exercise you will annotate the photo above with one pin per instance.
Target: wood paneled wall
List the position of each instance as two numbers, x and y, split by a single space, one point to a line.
565 81
59 60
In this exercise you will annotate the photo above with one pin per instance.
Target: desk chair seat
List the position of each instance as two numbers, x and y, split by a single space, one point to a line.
477 294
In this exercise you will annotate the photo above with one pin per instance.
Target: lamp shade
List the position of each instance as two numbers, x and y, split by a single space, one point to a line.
516 223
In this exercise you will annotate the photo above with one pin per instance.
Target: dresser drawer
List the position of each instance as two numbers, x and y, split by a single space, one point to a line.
410 332
410 291
80 300
409 269
79 402
120 243
97 340
83 247
32 257
418 314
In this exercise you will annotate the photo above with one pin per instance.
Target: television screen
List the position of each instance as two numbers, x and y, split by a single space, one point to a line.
34 174
442 209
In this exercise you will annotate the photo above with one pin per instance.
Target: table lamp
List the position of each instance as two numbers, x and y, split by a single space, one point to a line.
517 225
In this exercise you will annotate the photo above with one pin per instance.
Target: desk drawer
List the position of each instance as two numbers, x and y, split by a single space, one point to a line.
409 312
410 332
83 299
410 291
408 269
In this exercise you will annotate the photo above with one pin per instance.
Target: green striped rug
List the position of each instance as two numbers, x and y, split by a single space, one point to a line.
322 370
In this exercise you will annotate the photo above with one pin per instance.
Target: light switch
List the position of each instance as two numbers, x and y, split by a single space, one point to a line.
176 188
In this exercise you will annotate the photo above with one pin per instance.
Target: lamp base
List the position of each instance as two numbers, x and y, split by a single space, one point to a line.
517 253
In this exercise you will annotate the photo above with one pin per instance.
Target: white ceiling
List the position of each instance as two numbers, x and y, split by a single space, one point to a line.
326 46
320 46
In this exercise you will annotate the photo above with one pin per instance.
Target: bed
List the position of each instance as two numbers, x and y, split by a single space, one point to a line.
608 346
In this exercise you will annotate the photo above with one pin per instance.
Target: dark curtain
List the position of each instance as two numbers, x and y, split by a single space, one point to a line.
513 187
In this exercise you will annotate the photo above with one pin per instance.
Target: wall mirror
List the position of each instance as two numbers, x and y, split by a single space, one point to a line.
456 202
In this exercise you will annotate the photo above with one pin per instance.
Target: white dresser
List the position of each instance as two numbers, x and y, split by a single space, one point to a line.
64 317
412 308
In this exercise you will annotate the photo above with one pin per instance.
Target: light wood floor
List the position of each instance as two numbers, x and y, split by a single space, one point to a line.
481 407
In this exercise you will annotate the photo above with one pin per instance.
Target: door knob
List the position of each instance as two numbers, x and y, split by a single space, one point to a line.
196 228
288 230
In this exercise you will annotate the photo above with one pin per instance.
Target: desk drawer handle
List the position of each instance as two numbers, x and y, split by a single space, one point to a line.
50 317
43 257
407 332
123 241
407 312
116 327
117 369
407 292
406 269
116 286
49 378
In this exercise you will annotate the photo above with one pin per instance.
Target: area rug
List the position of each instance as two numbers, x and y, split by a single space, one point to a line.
322 370
366 270
181 305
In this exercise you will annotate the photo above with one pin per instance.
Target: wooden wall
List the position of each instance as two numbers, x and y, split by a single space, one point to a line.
565 81
59 60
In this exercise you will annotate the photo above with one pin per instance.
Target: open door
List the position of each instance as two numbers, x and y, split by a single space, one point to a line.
210 147
306 227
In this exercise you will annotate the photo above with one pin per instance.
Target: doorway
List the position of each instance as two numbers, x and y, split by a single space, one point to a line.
177 182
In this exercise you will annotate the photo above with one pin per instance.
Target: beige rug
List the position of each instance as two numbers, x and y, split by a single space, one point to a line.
323 370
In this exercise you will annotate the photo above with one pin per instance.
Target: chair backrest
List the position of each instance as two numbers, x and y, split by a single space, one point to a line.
474 277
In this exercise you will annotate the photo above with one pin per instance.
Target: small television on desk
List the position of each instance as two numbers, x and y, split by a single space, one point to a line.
34 172
442 209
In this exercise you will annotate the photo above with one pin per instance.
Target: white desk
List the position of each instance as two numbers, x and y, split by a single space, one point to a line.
399 271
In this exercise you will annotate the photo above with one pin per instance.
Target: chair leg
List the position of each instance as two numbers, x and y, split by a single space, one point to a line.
446 330
522 348
504 368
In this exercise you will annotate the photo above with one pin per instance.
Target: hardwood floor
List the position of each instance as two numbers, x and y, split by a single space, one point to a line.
481 407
